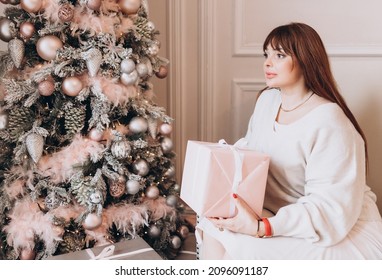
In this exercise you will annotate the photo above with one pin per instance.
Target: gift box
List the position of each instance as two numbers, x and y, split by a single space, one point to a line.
212 172
134 249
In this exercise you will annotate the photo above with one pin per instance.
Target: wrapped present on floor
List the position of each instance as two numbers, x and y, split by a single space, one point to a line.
134 249
214 171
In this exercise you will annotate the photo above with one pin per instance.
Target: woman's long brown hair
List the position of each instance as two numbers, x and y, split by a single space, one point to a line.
303 43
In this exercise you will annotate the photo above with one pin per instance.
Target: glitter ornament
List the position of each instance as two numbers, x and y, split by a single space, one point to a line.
92 221
16 49
133 187
162 72
93 61
47 47
6 33
152 192
141 167
138 125
117 188
66 13
153 49
166 144
96 197
72 86
27 30
142 70
31 6
129 7
152 127
35 145
46 88
127 66
120 149
175 242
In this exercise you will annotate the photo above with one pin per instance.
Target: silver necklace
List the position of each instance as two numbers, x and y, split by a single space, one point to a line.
299 105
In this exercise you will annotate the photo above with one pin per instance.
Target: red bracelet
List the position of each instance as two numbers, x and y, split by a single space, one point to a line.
267 227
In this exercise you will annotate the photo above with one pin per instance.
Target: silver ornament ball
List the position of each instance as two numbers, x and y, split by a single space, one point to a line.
183 231
171 200
175 242
129 79
152 192
142 70
167 145
141 167
127 66
96 134
165 129
138 125
92 221
154 231
170 173
133 187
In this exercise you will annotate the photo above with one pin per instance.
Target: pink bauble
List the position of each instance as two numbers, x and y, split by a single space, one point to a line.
31 6
48 46
27 30
46 88
94 5
129 6
165 129
96 134
72 86
162 72
152 192
27 254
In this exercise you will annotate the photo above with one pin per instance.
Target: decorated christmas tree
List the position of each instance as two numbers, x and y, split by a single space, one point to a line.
86 156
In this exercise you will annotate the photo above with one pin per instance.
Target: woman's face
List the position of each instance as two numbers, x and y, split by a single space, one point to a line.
280 70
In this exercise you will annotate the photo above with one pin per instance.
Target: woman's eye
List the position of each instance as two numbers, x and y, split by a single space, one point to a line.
280 55
265 55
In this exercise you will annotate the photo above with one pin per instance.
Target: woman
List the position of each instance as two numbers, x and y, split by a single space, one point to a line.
320 205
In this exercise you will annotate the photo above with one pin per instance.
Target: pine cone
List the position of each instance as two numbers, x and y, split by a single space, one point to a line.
35 146
19 121
74 120
93 61
16 49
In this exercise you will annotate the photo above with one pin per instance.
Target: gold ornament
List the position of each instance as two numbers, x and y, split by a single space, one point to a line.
16 49
35 146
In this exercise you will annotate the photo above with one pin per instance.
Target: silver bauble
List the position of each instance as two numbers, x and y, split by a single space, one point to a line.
152 192
141 167
92 221
165 129
46 88
120 149
72 86
127 66
183 231
35 146
96 134
154 231
129 79
166 144
142 70
16 49
175 242
170 173
117 188
27 29
129 7
31 6
133 187
138 125
6 33
171 200
47 47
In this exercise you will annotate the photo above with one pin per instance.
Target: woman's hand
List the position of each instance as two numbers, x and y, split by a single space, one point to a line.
245 221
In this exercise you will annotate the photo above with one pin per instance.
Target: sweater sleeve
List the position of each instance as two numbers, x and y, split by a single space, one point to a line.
334 187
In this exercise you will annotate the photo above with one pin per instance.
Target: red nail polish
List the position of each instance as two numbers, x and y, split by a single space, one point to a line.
234 195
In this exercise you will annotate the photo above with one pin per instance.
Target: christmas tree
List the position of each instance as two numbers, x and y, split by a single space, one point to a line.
86 157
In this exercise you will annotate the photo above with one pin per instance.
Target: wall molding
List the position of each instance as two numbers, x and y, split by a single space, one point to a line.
243 91
242 48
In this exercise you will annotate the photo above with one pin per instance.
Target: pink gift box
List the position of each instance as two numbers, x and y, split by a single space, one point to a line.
213 171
